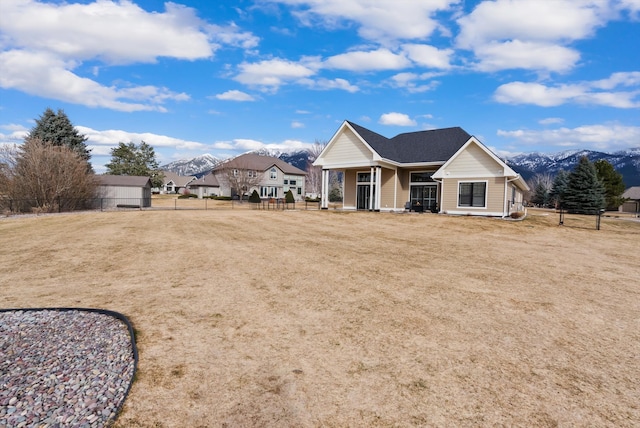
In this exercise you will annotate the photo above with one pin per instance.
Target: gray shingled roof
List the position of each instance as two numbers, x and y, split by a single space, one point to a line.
437 145
208 180
252 161
122 180
632 193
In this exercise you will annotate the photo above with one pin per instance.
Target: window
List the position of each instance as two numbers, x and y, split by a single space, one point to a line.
421 177
252 174
286 181
268 192
299 190
365 177
235 172
273 174
472 194
292 182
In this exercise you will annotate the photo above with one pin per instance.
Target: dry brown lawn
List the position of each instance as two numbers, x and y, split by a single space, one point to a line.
308 319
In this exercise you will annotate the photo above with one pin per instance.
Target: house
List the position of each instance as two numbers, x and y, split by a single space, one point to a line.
206 185
123 191
174 183
443 170
269 176
632 205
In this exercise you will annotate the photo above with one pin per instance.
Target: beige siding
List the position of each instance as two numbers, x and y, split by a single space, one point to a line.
387 189
347 149
349 196
474 162
403 188
495 195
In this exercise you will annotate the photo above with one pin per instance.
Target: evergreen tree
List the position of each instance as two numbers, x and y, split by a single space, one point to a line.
613 183
540 195
255 198
56 129
559 189
131 159
585 192
288 197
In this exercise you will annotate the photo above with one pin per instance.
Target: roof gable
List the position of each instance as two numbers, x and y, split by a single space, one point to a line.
433 146
632 193
253 161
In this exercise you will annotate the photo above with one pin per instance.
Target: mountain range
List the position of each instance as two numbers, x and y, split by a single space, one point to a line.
626 162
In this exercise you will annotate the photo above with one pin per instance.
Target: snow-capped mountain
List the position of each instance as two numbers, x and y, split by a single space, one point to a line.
626 162
197 166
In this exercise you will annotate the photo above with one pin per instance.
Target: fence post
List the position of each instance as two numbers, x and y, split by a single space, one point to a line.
59 205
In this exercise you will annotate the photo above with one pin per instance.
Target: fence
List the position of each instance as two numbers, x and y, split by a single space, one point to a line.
581 220
26 206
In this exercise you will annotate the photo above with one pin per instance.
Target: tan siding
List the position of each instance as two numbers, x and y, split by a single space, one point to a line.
495 195
347 148
388 189
350 188
474 161
403 187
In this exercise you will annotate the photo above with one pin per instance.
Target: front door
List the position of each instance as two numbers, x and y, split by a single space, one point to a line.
363 195
424 195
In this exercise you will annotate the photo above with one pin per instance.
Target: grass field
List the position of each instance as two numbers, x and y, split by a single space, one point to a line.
306 319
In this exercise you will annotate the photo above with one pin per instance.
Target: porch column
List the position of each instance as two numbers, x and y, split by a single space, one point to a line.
378 188
324 196
371 184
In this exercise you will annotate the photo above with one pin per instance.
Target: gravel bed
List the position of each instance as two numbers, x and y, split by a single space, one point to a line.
63 368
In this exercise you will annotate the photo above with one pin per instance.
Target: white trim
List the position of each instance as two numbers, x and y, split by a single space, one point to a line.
486 195
478 213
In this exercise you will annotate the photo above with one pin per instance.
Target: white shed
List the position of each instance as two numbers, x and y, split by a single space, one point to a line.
124 191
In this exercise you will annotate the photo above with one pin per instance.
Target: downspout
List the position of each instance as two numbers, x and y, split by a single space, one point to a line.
506 207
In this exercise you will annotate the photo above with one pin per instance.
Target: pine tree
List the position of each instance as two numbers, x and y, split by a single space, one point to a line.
585 192
131 159
559 189
288 197
255 198
56 129
613 183
540 195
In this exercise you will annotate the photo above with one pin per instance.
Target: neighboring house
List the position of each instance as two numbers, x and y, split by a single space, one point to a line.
269 176
123 190
633 203
174 183
205 186
444 170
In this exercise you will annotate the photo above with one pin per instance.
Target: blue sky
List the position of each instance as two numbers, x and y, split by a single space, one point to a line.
195 77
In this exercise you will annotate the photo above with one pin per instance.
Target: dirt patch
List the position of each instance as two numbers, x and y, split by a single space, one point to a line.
256 318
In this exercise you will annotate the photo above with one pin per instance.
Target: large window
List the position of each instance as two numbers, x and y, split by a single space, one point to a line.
473 194
273 174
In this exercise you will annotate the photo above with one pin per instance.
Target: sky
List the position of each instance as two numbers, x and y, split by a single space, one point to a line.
227 77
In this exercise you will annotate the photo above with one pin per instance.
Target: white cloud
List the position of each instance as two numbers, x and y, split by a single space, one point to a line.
525 55
111 137
429 56
411 82
328 84
235 95
15 133
381 59
396 119
377 20
603 137
271 74
530 34
43 43
297 125
48 76
588 93
241 145
551 121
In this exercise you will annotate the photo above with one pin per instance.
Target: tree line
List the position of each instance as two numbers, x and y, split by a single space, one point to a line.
52 166
588 188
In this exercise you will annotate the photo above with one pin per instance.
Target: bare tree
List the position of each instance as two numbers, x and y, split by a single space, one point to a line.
43 176
239 177
313 182
539 182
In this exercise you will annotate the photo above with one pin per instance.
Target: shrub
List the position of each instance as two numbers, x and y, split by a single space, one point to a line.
288 197
255 198
222 198
517 214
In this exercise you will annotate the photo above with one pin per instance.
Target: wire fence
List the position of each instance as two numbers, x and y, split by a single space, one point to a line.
32 206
